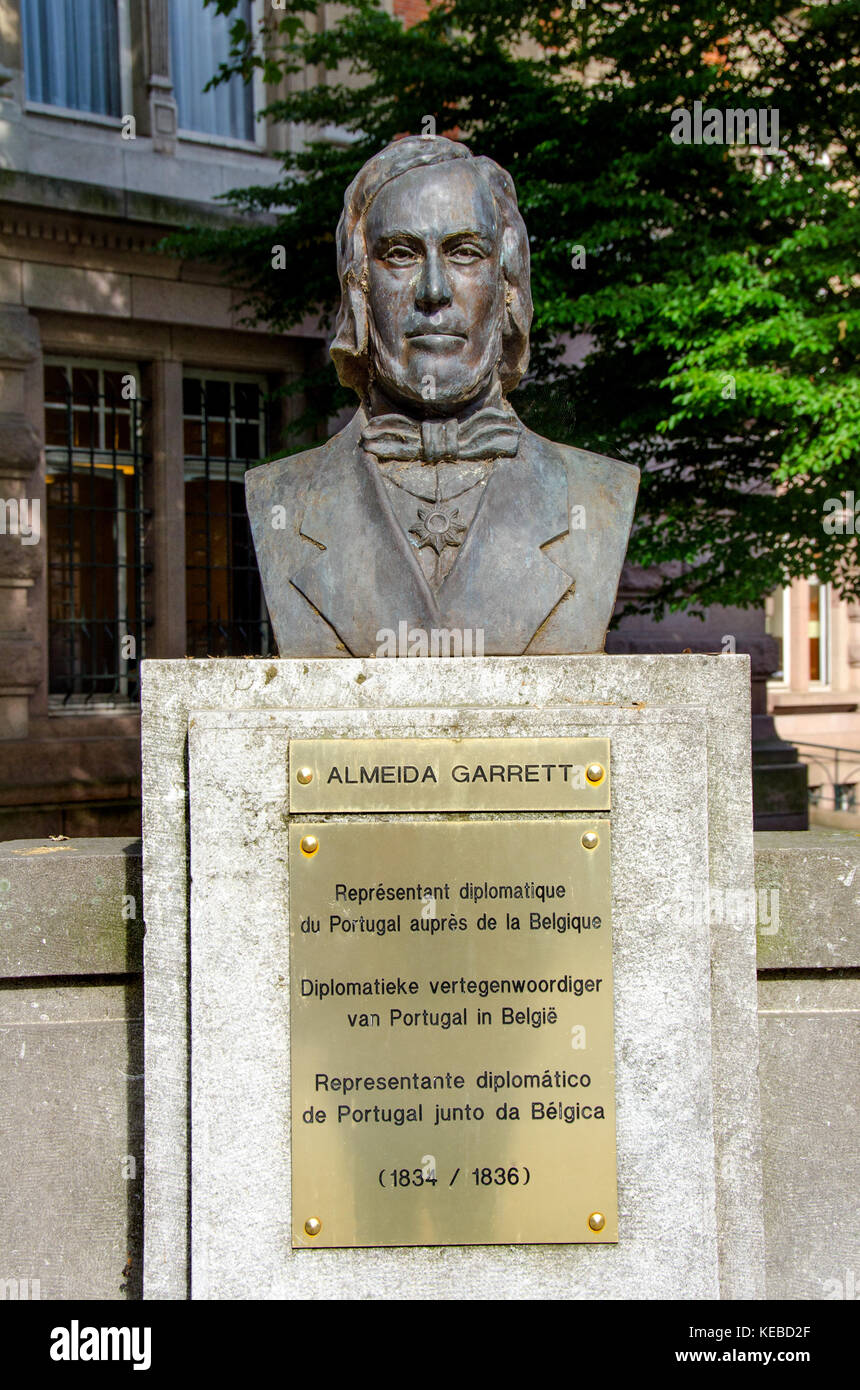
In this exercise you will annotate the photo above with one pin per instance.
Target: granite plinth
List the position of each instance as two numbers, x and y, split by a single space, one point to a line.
215 769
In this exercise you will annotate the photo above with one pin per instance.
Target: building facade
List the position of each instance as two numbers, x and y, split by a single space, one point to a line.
815 695
133 397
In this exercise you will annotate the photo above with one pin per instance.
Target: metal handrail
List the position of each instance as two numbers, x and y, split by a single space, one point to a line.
837 783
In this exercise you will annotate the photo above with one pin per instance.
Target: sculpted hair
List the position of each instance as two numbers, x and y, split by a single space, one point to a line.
350 349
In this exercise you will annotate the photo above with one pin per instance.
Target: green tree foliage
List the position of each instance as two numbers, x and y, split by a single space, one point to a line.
716 303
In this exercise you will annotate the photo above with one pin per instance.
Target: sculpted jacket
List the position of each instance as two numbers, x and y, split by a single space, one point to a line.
538 570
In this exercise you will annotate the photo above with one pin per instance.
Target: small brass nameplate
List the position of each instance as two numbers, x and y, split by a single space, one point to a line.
452 1059
447 774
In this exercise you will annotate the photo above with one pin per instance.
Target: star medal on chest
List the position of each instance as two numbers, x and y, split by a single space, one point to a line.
437 525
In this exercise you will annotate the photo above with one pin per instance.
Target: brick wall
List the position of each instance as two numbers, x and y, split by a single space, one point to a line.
411 11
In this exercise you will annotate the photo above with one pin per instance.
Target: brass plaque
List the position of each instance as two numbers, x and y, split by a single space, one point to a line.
452 1064
449 774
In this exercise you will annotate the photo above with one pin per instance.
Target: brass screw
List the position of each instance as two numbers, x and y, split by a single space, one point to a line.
309 845
594 772
305 775
312 1226
596 1221
590 840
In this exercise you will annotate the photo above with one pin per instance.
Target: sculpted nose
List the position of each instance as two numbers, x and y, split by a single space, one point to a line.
432 289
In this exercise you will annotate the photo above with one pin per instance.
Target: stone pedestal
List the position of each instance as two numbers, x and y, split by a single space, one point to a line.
215 782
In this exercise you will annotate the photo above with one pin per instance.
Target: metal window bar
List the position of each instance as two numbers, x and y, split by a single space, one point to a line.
226 611
95 519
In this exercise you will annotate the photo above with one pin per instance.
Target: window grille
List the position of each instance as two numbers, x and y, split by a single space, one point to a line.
95 516
225 432
71 54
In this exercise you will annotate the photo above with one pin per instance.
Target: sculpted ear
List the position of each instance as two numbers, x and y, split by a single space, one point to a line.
518 308
358 309
350 347
512 257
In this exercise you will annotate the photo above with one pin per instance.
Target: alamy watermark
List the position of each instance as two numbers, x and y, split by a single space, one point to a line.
20 517
737 907
842 515
437 641
76 1343
734 126
20 1290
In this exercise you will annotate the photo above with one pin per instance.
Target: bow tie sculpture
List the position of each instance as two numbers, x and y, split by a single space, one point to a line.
488 434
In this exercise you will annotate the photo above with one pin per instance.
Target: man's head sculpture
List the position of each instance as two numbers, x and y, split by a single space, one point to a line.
435 511
446 192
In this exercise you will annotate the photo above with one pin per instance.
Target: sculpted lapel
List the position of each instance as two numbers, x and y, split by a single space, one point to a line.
366 578
501 580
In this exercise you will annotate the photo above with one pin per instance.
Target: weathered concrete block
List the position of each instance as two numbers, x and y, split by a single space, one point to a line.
71 1114
816 874
70 907
809 1012
809 1034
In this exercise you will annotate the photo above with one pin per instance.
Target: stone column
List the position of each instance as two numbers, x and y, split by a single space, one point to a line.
854 638
22 520
164 496
159 88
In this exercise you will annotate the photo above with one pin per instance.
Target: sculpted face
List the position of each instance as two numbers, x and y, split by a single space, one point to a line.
436 290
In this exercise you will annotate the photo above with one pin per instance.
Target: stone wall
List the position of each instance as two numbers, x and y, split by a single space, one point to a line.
809 1008
71 1069
71 1066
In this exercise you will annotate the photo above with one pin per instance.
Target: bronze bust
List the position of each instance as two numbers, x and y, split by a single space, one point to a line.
435 510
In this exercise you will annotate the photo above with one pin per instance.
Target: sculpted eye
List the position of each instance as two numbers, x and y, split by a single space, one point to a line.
400 255
465 254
